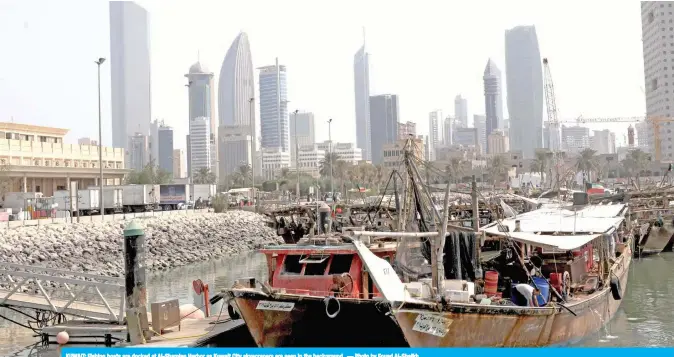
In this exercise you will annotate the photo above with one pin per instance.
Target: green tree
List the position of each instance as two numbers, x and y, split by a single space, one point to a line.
204 176
498 168
635 164
587 163
150 174
455 169
541 163
326 162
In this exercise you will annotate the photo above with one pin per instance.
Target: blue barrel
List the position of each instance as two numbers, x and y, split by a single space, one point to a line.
544 287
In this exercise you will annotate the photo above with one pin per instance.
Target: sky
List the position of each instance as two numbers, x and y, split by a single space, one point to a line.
425 51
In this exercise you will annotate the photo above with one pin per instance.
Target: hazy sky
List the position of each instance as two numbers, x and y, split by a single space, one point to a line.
427 52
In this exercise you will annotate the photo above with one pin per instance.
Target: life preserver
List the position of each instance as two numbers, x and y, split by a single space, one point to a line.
233 314
615 288
651 203
332 306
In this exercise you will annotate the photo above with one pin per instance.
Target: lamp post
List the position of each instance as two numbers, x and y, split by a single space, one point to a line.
332 188
253 147
297 160
100 142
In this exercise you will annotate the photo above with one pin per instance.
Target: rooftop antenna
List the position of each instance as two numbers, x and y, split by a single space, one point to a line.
363 36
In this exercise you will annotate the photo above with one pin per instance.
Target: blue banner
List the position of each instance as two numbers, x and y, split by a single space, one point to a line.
346 352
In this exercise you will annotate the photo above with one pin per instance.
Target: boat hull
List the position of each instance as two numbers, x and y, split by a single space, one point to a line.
359 323
486 326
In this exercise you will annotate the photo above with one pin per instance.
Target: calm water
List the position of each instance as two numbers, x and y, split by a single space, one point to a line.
646 317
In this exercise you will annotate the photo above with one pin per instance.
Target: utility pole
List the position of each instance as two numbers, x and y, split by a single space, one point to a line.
297 159
253 148
100 143
332 187
474 202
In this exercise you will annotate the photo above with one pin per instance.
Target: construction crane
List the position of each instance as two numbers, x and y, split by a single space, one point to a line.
551 105
654 122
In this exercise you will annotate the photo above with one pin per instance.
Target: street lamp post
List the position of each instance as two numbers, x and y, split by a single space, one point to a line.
253 147
332 188
297 160
100 142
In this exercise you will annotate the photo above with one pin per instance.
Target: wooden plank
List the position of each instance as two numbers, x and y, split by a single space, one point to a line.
90 310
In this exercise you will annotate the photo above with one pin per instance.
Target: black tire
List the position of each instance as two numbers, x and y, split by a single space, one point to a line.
615 288
233 314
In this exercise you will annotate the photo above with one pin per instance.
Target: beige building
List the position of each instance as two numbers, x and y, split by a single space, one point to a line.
393 153
498 143
179 163
35 159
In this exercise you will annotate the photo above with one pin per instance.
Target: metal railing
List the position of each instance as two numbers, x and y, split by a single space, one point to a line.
87 296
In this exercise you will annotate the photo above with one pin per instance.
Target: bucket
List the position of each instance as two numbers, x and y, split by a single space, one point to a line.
544 287
490 282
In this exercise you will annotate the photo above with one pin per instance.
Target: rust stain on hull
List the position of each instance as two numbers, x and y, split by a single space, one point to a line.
528 327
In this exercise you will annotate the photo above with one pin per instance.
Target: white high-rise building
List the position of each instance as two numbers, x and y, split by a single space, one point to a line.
524 81
434 133
361 77
575 138
461 111
603 142
657 33
493 98
130 74
200 144
448 131
274 128
480 124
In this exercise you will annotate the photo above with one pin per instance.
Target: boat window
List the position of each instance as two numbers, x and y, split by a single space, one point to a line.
291 265
316 268
341 263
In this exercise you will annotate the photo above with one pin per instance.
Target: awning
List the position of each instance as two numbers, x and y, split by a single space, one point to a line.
561 242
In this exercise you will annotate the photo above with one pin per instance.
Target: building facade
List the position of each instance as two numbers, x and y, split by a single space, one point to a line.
87 141
348 152
274 128
434 132
603 142
361 80
273 161
393 153
165 149
200 145
309 159
656 33
493 99
130 72
138 154
461 111
480 124
384 117
302 132
466 137
179 164
448 131
497 143
235 143
406 129
575 138
524 81
201 99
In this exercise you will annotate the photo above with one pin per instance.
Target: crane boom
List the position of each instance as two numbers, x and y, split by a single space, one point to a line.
551 105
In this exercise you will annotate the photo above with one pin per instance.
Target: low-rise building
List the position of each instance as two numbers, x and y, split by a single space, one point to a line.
346 151
309 159
273 160
35 159
393 153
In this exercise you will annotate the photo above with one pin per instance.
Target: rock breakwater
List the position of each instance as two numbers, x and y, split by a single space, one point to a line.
170 241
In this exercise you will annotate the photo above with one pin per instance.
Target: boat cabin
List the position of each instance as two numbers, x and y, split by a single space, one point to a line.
324 266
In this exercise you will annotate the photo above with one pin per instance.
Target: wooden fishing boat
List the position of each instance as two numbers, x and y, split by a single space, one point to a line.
318 294
579 260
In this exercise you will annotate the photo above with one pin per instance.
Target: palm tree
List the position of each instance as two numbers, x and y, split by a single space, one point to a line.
329 159
587 163
635 163
498 167
244 173
541 163
204 176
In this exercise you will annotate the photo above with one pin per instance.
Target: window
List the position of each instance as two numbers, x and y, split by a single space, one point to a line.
291 265
316 268
341 263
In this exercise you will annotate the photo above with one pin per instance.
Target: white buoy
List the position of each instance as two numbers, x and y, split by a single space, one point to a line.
62 338
189 311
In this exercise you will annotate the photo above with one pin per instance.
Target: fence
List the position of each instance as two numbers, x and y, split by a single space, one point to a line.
97 218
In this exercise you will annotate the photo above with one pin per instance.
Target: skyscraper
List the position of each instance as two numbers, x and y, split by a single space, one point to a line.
130 74
656 31
236 105
384 114
274 129
524 80
201 102
200 144
165 148
493 102
361 76
461 111
435 123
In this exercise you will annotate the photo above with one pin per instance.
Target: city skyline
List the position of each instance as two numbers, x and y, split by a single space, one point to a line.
415 106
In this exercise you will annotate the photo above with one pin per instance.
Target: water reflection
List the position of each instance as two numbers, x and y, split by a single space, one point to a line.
645 318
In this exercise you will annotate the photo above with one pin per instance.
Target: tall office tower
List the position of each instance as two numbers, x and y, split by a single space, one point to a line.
274 128
524 80
200 144
361 76
434 133
461 111
448 131
201 99
493 98
656 33
130 75
302 133
384 114
480 124
165 148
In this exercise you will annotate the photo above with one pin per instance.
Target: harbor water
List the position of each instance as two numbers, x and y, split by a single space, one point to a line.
645 318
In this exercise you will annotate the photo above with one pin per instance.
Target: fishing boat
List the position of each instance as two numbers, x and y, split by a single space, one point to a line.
560 276
318 294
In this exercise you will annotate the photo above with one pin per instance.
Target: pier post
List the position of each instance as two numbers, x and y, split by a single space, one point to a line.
135 283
